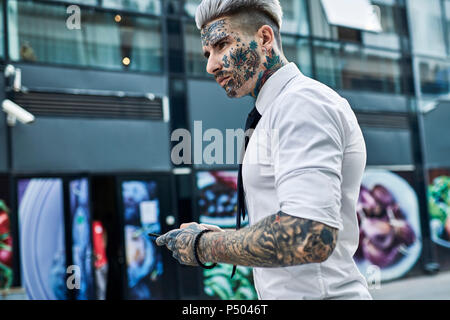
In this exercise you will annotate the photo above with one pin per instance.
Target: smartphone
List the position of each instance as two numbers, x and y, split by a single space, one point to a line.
154 235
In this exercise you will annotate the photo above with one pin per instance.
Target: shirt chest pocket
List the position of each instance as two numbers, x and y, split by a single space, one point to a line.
259 153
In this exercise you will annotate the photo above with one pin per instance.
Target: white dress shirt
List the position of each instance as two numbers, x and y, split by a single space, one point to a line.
306 158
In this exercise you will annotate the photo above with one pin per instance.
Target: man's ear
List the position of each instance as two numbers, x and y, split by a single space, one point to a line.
266 38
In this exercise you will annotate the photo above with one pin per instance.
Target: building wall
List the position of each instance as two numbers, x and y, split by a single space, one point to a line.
83 144
90 145
437 141
386 147
209 104
372 101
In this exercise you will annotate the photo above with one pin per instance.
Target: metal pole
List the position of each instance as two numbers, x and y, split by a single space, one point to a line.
417 132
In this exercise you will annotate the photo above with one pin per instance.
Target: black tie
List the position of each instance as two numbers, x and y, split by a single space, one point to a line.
251 123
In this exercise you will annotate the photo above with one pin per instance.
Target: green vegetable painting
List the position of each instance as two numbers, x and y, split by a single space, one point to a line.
219 285
439 207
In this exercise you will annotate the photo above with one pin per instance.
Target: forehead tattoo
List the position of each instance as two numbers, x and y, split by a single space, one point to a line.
214 32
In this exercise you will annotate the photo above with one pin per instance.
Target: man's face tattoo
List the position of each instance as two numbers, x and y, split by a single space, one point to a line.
240 60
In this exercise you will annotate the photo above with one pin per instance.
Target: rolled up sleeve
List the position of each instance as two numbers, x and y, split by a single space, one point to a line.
308 146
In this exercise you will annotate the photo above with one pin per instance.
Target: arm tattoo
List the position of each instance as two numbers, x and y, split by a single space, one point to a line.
279 240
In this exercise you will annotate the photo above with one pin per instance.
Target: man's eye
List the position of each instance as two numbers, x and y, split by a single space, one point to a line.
222 45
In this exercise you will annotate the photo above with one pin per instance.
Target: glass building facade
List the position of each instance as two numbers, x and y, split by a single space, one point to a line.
129 35
87 55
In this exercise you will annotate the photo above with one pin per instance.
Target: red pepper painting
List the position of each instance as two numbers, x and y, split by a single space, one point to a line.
6 254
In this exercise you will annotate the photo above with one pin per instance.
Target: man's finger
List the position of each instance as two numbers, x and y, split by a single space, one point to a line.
163 239
211 227
185 225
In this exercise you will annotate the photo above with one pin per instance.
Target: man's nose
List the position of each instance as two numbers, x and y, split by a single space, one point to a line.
213 65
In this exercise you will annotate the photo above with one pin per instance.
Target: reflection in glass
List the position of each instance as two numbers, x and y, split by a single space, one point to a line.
353 14
298 51
344 66
434 77
427 27
388 38
38 32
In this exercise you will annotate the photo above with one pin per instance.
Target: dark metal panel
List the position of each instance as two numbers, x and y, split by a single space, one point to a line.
90 105
387 147
40 76
208 103
74 145
383 119
437 136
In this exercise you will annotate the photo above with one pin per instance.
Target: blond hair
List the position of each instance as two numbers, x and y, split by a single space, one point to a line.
209 10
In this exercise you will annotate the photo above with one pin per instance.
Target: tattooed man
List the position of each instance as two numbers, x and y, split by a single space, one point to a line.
301 199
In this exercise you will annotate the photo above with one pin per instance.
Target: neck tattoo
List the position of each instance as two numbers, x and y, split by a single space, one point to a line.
273 64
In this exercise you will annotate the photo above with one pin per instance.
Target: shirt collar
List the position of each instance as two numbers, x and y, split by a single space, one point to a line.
275 84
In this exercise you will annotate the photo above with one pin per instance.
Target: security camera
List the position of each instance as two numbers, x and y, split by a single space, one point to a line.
15 111
16 75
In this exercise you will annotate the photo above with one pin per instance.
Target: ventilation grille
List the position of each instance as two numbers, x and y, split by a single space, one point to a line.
383 120
91 105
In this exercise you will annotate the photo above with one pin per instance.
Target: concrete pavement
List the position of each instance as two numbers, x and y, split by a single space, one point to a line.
427 287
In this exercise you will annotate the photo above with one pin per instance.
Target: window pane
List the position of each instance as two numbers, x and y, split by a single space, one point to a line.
295 17
427 27
434 77
320 26
354 14
389 37
447 20
38 32
2 49
195 61
298 51
350 67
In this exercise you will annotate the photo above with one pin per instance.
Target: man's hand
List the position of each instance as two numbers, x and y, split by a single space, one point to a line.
181 241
